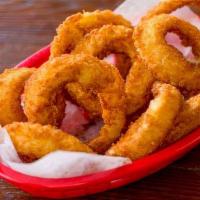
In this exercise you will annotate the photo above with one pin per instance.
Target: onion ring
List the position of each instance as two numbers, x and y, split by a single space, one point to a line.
34 141
85 98
107 40
168 6
101 42
86 70
118 39
187 120
166 62
73 29
149 131
137 87
12 83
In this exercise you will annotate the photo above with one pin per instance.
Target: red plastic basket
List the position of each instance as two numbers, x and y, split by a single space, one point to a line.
98 182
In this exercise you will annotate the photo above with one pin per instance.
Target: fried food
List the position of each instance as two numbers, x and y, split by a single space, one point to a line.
42 109
165 61
85 98
109 39
85 70
100 43
75 27
168 6
118 39
187 120
34 141
12 83
138 86
148 132
110 97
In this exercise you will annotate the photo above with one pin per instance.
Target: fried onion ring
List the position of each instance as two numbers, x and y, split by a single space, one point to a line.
146 134
34 141
73 29
85 70
187 120
137 87
101 42
12 83
168 6
106 40
118 39
85 98
165 61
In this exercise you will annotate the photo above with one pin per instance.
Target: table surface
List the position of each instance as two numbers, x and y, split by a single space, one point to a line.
28 25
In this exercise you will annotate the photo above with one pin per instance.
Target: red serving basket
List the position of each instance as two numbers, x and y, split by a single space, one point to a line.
98 182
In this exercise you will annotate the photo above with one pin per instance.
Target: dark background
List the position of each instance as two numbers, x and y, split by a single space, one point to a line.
25 27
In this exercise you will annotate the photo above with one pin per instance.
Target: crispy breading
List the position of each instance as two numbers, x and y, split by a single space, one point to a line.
138 86
187 120
74 28
35 140
168 6
85 70
165 61
149 131
12 83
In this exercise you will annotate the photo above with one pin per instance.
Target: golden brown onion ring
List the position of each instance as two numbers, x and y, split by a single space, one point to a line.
85 70
138 86
146 134
12 83
101 42
165 61
168 6
85 98
187 120
109 39
74 28
34 141
118 39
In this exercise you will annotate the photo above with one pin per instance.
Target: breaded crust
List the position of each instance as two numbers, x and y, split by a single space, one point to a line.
12 83
148 132
91 73
34 140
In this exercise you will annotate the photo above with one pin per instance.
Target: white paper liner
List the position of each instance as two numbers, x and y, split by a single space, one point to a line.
58 164
133 10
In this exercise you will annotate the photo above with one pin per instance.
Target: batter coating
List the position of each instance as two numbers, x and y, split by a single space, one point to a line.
100 43
85 70
118 39
34 141
85 98
168 6
187 120
138 86
146 134
12 83
75 27
165 61
107 40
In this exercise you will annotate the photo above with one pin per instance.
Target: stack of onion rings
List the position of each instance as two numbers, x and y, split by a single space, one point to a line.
40 105
73 29
149 131
119 39
147 67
